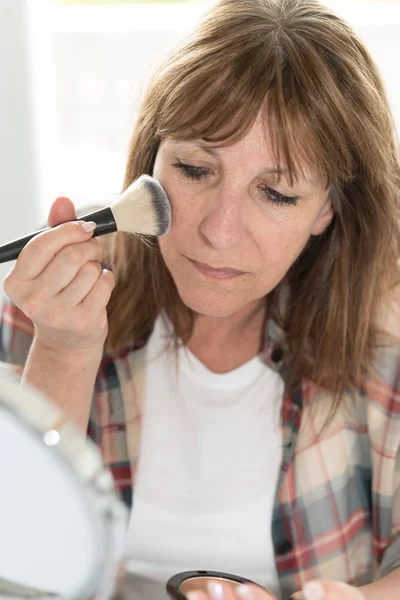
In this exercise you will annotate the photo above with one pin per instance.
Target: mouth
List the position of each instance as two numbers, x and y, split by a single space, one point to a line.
211 272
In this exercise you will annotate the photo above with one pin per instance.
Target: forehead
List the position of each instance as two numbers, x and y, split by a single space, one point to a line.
257 146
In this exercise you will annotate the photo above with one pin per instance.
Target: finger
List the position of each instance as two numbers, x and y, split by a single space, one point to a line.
219 590
297 596
99 296
197 595
40 250
225 591
229 592
331 590
66 265
253 592
61 211
81 285
215 590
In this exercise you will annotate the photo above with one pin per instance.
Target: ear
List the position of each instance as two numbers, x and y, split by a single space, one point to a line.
324 218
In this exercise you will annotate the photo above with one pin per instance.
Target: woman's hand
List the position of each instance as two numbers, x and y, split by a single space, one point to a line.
314 590
59 283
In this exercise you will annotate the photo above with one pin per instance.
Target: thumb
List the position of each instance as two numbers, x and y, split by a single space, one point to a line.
331 590
61 210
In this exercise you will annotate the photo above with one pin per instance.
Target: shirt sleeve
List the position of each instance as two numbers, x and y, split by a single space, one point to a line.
16 334
391 555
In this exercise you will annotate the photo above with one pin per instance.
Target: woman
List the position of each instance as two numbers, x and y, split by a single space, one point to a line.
249 356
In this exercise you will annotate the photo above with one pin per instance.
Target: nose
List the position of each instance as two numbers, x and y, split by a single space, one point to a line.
222 225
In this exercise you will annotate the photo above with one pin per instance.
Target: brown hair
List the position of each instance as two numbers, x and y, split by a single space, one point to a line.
323 102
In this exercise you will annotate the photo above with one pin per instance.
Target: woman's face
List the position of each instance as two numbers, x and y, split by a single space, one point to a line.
235 230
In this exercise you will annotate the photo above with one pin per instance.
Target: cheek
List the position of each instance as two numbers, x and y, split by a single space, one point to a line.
180 234
186 215
284 239
186 218
279 247
183 208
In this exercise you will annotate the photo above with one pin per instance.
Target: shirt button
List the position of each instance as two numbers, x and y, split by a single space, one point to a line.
277 355
284 547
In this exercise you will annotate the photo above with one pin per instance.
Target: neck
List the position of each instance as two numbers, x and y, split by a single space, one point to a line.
224 343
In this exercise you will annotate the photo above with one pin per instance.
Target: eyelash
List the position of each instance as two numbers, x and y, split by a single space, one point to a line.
197 173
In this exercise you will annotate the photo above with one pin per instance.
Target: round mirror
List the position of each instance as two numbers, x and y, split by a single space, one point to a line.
62 524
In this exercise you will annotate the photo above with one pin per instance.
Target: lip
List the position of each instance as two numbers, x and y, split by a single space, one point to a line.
214 272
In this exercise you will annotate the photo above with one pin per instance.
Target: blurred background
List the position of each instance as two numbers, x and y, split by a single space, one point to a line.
73 73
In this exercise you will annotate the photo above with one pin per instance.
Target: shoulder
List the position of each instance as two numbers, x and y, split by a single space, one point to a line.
382 388
388 314
385 371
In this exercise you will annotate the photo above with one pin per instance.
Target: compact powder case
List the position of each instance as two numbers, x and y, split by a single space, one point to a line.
182 583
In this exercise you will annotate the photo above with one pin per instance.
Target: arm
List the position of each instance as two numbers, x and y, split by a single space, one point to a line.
68 380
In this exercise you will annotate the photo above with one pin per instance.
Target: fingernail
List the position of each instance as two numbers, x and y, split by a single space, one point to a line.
313 591
192 596
215 590
88 226
245 592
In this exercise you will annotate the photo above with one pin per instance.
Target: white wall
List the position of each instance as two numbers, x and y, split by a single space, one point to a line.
71 79
18 158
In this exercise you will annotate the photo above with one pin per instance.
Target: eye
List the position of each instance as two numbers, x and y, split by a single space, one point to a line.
278 198
197 173
191 172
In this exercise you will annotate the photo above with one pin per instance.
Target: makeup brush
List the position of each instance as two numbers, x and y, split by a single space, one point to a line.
142 208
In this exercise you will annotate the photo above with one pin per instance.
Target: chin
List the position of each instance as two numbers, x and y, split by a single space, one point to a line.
211 305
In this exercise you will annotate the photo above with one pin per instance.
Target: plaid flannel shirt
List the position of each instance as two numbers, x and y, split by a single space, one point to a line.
337 502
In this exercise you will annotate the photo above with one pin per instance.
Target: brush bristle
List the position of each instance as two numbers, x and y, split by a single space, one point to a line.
143 208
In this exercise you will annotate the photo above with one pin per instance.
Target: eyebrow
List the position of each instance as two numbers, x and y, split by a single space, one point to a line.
213 152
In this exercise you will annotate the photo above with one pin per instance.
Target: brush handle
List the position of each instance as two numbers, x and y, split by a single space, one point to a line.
105 224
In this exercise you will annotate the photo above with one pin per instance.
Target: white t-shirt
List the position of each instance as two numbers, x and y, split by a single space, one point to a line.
210 454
